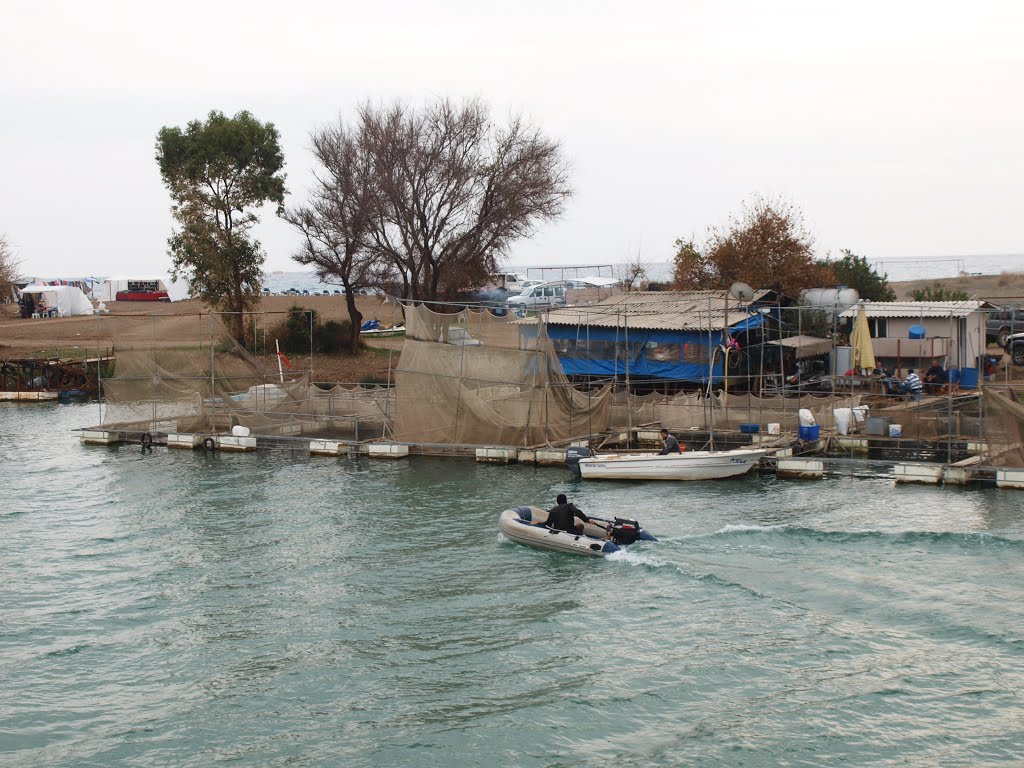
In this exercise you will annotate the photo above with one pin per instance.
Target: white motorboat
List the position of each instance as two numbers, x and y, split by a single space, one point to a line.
600 537
688 465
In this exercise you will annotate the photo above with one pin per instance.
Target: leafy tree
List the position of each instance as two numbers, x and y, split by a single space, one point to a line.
448 193
936 292
767 246
692 271
855 272
217 173
10 266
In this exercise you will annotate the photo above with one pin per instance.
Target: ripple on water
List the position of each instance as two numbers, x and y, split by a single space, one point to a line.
189 609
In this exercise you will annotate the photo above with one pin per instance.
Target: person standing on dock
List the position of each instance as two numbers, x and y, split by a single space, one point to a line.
668 444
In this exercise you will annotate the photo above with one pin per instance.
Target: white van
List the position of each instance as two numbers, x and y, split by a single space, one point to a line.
542 295
512 281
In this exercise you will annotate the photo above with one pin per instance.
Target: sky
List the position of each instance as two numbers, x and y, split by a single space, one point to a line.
897 128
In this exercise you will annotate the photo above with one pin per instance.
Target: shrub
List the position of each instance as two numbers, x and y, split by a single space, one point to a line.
936 292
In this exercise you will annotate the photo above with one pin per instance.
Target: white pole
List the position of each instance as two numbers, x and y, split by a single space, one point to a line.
280 371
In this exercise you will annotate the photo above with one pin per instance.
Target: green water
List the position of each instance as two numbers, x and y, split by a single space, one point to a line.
191 609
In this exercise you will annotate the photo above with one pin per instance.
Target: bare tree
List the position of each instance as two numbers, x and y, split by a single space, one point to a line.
336 222
449 191
632 272
10 268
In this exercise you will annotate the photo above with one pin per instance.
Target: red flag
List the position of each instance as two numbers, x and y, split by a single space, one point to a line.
284 359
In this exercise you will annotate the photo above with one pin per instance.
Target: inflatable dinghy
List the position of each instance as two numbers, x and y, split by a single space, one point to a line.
600 537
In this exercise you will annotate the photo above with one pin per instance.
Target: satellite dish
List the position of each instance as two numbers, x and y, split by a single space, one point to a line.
741 291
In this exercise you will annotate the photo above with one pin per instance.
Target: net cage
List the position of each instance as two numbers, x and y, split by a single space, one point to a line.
187 374
1004 425
470 377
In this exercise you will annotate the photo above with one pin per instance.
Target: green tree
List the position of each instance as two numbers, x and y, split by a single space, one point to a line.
936 292
692 271
854 271
767 246
218 173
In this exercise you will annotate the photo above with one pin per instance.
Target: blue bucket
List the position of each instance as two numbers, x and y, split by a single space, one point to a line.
969 378
808 434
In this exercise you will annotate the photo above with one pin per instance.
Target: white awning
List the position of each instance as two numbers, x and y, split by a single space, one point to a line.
805 346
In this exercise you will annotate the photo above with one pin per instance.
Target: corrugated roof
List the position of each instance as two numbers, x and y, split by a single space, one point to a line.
916 308
656 310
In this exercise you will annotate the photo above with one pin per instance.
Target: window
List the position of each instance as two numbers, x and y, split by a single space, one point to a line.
695 353
660 352
879 327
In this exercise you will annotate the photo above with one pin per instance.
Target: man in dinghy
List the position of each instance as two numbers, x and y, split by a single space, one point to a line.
561 516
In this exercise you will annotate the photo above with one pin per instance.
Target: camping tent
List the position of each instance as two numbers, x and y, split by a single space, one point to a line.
66 299
177 290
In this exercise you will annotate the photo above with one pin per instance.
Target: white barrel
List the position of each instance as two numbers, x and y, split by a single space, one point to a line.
842 419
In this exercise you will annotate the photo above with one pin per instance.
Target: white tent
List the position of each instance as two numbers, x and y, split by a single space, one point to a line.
177 290
66 299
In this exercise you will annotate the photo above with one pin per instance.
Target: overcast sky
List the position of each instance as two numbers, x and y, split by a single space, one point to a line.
897 127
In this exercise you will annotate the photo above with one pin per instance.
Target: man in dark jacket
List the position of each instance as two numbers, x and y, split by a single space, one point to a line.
560 516
671 445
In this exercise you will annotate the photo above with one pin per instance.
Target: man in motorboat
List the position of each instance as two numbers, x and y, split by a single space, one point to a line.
669 444
561 516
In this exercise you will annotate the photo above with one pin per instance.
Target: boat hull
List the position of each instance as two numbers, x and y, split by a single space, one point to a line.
690 465
522 525
525 525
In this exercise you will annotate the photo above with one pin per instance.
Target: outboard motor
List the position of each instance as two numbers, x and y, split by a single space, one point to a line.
625 531
573 456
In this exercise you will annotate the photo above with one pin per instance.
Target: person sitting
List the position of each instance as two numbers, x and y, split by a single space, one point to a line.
669 444
561 516
935 378
912 385
991 368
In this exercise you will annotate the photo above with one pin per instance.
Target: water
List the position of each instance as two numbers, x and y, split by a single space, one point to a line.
897 269
191 609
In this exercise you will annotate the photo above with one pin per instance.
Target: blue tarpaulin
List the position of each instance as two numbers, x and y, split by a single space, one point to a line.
604 352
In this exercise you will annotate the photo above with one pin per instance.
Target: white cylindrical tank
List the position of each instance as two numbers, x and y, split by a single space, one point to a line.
834 299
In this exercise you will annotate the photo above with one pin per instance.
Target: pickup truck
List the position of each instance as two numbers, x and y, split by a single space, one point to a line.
1014 347
1002 323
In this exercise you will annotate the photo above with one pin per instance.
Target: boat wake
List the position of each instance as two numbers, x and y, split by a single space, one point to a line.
958 539
637 559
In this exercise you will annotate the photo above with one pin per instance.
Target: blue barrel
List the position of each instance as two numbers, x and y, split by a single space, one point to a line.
808 434
969 378
917 332
953 375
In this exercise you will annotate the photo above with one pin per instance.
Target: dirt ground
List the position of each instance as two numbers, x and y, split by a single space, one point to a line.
141 324
179 323
1003 289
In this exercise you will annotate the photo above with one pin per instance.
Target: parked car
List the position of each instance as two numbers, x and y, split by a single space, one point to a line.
1014 347
1003 323
543 295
